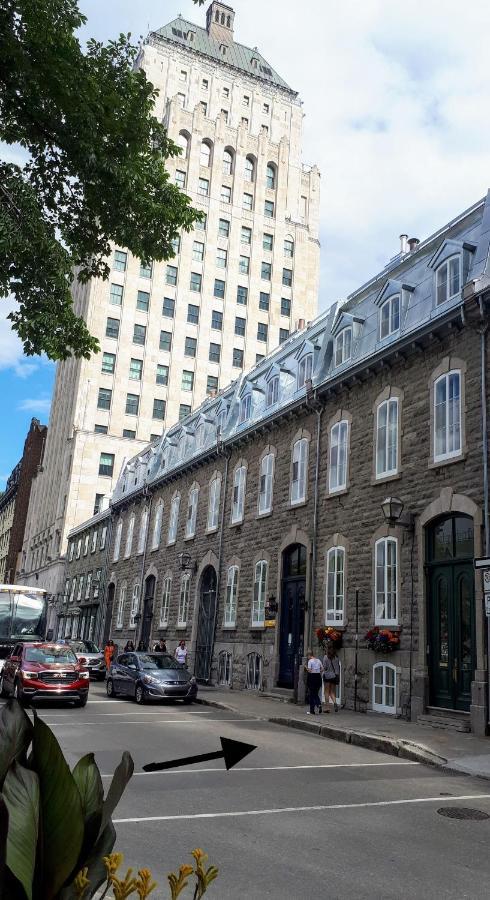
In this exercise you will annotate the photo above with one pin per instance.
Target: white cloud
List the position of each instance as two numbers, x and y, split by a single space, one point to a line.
40 405
11 352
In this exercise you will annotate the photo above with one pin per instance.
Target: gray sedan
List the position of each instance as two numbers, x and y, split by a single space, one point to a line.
150 676
88 653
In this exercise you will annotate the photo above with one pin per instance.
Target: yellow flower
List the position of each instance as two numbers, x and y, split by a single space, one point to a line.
123 889
112 863
81 883
204 877
144 884
179 882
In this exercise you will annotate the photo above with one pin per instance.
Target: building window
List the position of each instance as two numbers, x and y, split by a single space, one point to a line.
338 456
266 484
166 341
171 275
203 187
201 222
106 464
128 433
244 265
229 619
216 320
197 252
283 335
143 301
85 544
190 525
135 602
249 169
260 587
386 557
272 392
101 429
287 277
227 162
343 346
305 369
225 659
212 384
108 363
289 247
240 325
196 282
157 526
98 503
79 549
267 241
262 331
299 471
270 177
335 586
180 179
129 537
143 530
192 314
219 288
168 307
213 503
214 353
183 142
242 295
223 228
162 375
225 193
93 544
253 675
221 258
239 483
269 209
120 260
154 437
285 306
384 688
146 269
185 589
176 245
389 317
181 100
448 280
184 411
190 347
187 380
135 369
387 438
103 536
158 409
205 155
447 416
248 201
246 235
112 328
266 271
224 112
139 334
264 301
204 107
245 409
116 294
245 124
132 404
173 520
237 358
165 602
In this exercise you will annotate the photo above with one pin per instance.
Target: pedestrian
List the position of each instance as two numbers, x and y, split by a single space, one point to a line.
141 647
109 651
314 671
331 676
181 653
160 646
129 647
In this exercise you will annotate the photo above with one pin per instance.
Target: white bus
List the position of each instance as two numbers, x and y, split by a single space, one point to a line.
22 616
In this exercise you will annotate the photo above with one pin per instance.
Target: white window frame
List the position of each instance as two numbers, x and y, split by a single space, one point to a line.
214 496
343 346
157 526
448 424
88 585
335 586
79 549
393 306
231 600
173 519
117 541
386 581
259 593
185 590
385 445
103 536
272 393
339 456
120 605
305 369
135 604
93 545
165 601
129 537
73 588
86 544
245 408
81 581
384 688
446 267
266 483
72 551
142 530
238 497
299 471
190 525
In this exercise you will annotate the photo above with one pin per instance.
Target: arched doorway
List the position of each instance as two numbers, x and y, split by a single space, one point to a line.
293 594
451 611
148 610
205 624
108 613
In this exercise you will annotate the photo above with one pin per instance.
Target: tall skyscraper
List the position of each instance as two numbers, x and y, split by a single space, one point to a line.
239 283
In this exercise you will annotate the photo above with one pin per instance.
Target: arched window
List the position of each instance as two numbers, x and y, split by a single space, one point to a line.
214 492
227 161
447 415
229 619
185 591
224 667
337 477
143 530
384 688
216 16
299 471
253 677
260 589
387 438
120 605
228 21
174 519
223 18
239 485
386 581
157 526
165 601
190 525
250 168
289 246
335 586
135 602
266 483
129 537
205 154
183 141
271 177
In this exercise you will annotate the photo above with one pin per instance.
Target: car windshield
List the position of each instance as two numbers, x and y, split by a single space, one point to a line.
162 661
84 647
48 655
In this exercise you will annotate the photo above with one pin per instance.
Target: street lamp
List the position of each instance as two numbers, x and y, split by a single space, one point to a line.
185 562
392 510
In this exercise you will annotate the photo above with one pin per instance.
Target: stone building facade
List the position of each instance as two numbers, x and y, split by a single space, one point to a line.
241 280
340 483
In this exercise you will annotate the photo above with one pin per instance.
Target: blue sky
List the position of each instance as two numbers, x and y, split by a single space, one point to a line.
396 101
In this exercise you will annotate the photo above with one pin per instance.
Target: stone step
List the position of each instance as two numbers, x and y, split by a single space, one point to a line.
283 694
445 722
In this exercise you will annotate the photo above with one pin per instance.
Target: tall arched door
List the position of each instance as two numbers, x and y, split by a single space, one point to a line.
292 625
451 612
148 601
205 624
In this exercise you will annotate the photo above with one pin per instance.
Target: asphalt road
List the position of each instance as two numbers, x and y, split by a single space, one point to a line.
301 817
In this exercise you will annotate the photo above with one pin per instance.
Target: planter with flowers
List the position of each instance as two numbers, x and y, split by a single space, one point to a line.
329 635
382 640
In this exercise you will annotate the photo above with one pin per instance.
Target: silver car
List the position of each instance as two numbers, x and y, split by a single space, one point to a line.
150 676
91 655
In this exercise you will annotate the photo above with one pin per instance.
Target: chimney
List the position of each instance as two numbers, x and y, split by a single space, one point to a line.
301 324
213 392
403 243
219 22
413 244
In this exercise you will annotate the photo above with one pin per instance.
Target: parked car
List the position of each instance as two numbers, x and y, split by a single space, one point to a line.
150 676
87 652
42 671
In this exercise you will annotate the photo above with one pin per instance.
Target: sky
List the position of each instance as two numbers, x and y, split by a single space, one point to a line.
396 100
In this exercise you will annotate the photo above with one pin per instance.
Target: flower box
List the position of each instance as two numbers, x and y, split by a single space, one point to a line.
382 640
329 635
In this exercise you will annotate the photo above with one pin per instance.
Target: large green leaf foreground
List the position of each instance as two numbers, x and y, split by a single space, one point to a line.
95 172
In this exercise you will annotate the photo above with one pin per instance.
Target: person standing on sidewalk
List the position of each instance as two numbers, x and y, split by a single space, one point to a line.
331 676
314 670
181 653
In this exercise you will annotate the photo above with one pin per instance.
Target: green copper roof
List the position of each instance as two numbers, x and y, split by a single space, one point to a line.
237 56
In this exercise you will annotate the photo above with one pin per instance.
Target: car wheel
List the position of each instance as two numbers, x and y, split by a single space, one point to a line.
110 691
3 692
82 701
19 694
139 694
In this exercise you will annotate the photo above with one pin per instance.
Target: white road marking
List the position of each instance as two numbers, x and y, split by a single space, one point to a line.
133 712
278 768
293 809
156 722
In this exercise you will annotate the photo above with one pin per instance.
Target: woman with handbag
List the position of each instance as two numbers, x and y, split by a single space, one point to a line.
331 676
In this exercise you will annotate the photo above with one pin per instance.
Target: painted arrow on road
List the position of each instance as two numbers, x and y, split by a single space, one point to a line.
231 751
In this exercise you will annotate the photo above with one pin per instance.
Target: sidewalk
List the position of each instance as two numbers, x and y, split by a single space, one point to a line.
448 750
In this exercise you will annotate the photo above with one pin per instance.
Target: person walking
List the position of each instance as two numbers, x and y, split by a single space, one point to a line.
141 647
314 671
160 646
109 651
331 676
129 647
181 653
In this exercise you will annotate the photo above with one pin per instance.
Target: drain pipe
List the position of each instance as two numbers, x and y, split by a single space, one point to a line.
319 408
483 340
224 484
143 564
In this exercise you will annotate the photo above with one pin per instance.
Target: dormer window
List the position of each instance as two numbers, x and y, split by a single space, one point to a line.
305 369
272 394
245 408
343 346
200 436
220 421
222 49
389 317
448 279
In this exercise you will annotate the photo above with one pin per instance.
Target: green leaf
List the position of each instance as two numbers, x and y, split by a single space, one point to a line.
21 794
62 823
97 874
119 781
87 778
4 824
16 734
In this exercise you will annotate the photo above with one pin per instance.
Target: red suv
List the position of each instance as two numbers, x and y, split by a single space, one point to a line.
44 671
